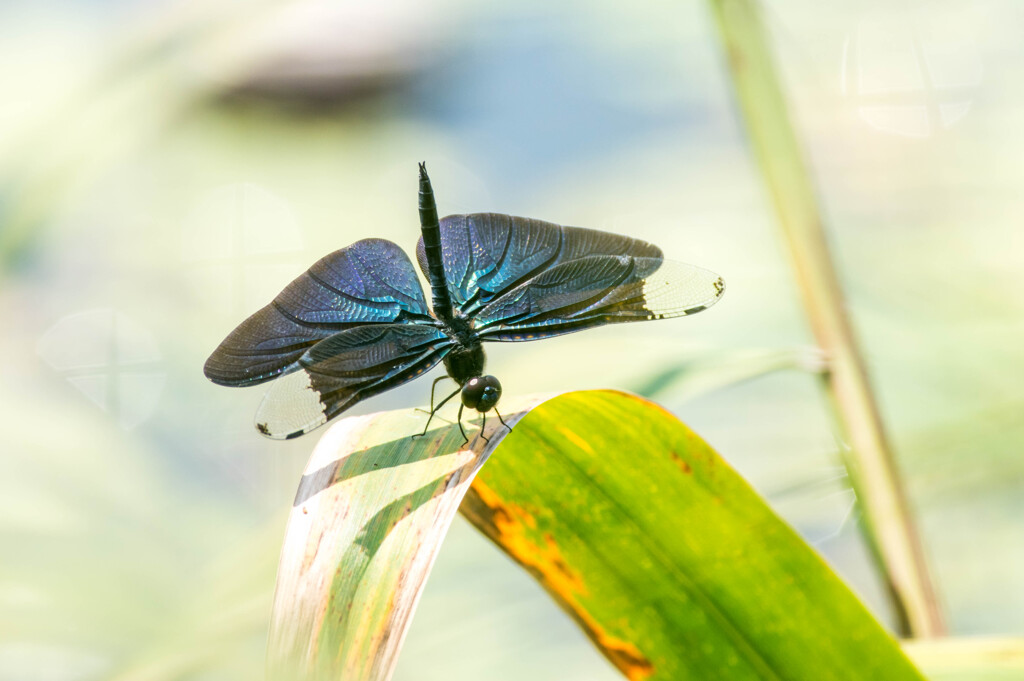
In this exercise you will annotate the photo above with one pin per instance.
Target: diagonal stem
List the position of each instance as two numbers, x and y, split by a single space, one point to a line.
888 522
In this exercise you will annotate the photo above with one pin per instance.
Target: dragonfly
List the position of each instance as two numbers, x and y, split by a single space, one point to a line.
356 323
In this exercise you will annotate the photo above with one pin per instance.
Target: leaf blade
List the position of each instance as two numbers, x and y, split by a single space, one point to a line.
579 497
369 517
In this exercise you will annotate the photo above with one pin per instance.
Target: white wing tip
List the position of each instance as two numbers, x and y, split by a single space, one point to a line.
292 407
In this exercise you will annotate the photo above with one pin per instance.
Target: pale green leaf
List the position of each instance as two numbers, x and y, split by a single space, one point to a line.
368 520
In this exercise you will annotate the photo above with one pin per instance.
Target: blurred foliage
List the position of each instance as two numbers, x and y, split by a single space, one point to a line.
889 524
968 659
692 376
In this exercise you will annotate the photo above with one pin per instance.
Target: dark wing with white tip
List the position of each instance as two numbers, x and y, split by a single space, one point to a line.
344 369
369 282
596 290
486 254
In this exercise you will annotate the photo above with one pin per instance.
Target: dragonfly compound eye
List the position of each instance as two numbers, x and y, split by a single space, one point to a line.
481 393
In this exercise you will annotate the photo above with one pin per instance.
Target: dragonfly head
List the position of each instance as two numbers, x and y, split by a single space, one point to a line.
481 393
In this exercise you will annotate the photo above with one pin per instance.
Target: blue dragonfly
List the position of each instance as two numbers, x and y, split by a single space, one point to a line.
357 323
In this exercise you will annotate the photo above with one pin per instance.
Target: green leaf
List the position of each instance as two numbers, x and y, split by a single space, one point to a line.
668 560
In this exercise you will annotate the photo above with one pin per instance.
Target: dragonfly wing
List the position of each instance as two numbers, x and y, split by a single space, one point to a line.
347 367
596 290
487 254
371 281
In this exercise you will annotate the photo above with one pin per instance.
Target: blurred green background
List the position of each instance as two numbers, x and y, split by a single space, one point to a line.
166 167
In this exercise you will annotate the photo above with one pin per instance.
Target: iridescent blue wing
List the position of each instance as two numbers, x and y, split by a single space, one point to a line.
486 254
371 281
596 290
347 367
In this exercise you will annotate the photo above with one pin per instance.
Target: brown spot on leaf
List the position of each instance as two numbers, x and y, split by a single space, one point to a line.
312 549
508 526
684 465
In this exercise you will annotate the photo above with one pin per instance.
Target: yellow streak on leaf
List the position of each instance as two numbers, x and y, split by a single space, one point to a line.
506 525
576 440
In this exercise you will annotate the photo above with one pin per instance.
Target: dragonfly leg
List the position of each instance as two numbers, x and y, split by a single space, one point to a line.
461 429
483 424
433 387
503 421
434 411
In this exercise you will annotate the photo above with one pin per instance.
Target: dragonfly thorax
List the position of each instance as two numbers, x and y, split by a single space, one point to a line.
466 358
481 393
465 364
460 329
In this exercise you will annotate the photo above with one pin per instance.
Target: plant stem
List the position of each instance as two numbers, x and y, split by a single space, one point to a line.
890 529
